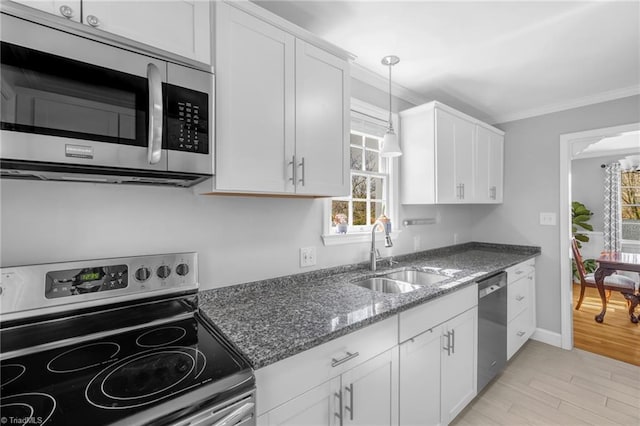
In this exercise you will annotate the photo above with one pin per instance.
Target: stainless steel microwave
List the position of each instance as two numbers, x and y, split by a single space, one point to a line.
77 109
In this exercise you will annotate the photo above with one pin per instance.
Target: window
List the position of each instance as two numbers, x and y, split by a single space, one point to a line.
373 183
630 196
368 186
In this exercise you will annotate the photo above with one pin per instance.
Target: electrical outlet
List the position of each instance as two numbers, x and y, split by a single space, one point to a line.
416 243
548 219
307 256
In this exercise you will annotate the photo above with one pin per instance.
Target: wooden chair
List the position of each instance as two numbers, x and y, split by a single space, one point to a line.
625 285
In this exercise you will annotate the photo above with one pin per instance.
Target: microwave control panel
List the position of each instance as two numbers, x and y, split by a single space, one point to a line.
187 119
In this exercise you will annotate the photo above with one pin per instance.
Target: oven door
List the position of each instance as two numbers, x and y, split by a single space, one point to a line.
67 99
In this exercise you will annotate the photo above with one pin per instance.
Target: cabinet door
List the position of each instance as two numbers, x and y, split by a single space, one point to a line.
489 166
322 122
420 379
459 376
255 113
69 9
319 406
178 26
368 395
454 158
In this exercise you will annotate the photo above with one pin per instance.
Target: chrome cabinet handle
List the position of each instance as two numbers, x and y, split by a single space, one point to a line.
348 357
66 11
93 21
339 413
519 298
350 407
292 163
155 114
448 347
520 333
453 341
302 165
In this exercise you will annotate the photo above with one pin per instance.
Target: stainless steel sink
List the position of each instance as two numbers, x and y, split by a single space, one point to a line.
386 285
416 277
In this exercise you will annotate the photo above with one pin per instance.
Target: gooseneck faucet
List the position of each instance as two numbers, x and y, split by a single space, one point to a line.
387 242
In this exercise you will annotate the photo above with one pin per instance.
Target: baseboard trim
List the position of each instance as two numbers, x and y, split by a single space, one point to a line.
548 337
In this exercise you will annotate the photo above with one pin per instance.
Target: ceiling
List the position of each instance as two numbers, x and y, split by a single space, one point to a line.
506 59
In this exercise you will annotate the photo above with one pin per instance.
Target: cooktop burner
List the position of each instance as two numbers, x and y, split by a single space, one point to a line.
117 375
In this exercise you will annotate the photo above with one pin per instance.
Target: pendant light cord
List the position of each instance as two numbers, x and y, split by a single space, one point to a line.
390 123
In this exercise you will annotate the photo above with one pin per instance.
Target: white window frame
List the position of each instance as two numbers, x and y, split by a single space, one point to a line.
359 234
628 242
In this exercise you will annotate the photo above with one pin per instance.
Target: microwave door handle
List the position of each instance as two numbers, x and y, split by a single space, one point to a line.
155 114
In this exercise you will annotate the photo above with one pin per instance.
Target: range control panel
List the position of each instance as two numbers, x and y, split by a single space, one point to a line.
37 288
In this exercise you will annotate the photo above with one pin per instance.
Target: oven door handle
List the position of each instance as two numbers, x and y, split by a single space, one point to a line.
155 114
236 415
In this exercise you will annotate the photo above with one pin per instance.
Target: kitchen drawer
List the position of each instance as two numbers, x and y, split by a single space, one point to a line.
519 296
280 382
520 270
421 318
518 331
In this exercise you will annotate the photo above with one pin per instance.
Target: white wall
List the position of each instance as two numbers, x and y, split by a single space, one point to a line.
239 239
531 186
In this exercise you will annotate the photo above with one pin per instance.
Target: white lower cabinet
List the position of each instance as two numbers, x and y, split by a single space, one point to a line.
351 380
521 305
438 375
362 396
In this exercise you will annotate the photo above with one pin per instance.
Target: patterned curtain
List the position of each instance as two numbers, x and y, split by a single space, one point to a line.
612 208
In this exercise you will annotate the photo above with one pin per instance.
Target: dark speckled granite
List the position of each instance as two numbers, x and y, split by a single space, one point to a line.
273 319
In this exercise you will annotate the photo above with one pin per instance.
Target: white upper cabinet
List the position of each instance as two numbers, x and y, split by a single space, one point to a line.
322 117
69 9
283 110
178 26
454 158
255 65
489 166
449 157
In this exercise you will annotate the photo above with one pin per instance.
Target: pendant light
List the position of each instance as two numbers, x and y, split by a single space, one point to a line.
390 146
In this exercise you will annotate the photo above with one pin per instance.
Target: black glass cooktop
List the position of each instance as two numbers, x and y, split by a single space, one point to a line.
103 381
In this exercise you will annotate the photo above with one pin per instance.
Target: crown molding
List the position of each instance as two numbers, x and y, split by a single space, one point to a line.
369 77
575 103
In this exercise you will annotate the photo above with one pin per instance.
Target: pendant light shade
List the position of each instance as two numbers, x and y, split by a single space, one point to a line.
390 145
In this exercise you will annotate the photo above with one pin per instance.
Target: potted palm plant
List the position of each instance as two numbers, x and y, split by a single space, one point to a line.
580 216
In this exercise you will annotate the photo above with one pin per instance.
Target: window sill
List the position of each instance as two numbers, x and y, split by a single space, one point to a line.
354 238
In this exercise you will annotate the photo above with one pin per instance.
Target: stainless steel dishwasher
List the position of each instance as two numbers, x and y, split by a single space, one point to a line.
492 327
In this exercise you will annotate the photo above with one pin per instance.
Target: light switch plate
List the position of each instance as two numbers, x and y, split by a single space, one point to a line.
547 218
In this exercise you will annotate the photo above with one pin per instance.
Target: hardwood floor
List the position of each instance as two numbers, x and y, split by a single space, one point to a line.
616 337
545 385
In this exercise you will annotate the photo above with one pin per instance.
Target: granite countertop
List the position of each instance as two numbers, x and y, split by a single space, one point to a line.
274 319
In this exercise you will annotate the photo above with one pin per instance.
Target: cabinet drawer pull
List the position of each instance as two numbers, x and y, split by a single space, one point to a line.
453 341
520 333
348 357
519 298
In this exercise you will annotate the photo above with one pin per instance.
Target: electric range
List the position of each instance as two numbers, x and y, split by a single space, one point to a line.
116 341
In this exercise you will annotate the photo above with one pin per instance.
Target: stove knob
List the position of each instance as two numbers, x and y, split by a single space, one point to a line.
142 274
163 271
182 269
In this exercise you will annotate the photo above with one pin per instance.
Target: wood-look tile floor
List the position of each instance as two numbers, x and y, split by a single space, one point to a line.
616 337
546 385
